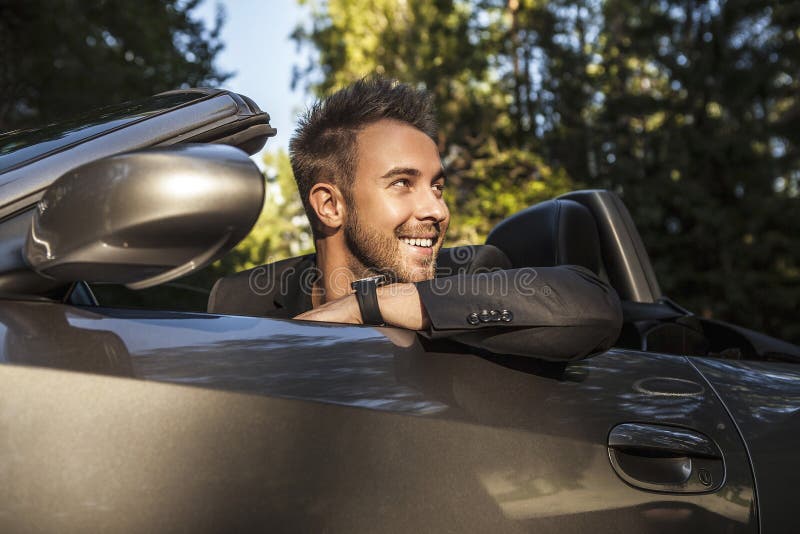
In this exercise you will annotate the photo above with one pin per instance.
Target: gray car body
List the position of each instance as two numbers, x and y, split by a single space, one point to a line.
142 420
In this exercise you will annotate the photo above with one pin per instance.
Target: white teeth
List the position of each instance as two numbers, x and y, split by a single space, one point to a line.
414 242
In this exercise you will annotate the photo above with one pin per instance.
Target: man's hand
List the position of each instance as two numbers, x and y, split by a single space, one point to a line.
400 305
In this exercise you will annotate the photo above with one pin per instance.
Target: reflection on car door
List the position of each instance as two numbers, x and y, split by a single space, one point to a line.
349 428
764 400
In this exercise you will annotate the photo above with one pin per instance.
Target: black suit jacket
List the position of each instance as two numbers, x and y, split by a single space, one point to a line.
555 313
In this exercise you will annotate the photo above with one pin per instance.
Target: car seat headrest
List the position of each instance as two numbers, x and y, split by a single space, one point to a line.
554 232
470 259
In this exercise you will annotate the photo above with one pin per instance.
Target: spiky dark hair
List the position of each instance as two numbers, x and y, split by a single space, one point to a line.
324 147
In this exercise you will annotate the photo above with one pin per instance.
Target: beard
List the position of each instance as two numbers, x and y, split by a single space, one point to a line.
376 253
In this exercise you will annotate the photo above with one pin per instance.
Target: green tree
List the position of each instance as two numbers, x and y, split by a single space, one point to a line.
691 133
59 57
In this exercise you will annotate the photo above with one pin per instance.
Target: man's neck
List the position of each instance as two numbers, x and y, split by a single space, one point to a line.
337 272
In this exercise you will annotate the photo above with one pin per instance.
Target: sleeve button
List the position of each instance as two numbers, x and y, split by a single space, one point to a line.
484 316
506 316
472 319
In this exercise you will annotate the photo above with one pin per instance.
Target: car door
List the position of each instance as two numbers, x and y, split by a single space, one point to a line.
296 426
763 398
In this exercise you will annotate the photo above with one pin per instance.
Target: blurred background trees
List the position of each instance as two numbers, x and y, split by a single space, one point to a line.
60 57
688 109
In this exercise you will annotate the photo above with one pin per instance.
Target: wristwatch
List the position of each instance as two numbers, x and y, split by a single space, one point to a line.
367 296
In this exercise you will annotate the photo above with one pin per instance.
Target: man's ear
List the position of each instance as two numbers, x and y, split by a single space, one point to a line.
328 203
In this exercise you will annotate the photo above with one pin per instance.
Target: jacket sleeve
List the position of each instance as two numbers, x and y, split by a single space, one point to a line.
554 313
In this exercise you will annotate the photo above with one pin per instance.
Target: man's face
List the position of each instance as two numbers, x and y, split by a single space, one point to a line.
398 218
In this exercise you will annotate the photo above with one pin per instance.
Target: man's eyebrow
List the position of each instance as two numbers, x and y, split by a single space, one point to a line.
401 171
410 171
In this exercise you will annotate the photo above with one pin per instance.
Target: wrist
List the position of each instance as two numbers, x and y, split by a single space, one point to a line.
401 306
366 297
355 310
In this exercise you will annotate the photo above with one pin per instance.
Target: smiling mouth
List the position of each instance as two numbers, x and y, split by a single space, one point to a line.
423 242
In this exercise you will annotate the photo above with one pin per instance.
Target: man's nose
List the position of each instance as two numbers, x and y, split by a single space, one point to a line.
431 207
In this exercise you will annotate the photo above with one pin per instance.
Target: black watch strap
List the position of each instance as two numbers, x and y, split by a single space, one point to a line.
367 295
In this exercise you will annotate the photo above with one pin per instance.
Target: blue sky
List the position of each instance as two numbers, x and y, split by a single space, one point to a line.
258 50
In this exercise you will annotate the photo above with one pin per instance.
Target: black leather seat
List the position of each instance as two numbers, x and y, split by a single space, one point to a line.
554 232
564 231
470 259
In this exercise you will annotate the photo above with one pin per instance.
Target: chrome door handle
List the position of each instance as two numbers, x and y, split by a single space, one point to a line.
665 458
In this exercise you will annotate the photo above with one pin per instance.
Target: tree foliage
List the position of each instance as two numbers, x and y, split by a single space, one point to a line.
59 57
689 110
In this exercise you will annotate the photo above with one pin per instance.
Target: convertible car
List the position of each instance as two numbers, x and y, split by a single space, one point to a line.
122 418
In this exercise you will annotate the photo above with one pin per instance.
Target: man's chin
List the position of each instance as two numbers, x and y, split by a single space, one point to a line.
418 274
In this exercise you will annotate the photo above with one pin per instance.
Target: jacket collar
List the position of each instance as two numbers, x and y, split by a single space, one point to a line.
295 284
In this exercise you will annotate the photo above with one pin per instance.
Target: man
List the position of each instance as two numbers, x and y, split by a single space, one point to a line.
371 180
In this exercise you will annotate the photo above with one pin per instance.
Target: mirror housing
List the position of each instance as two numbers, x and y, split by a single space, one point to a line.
146 217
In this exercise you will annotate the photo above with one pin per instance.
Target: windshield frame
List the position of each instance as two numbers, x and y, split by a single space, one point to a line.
55 137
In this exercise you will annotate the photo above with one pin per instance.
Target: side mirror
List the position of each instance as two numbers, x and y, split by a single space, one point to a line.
146 217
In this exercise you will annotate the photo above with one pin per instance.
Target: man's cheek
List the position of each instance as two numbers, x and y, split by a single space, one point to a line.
444 226
392 210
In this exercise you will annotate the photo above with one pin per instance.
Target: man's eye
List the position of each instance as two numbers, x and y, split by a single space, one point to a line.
401 183
439 187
